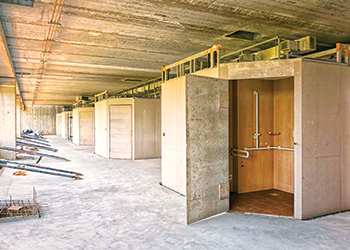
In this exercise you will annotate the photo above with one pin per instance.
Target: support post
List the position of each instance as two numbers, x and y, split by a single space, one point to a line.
8 120
339 50
347 56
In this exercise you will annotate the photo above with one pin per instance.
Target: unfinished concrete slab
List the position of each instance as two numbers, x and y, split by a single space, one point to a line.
83 126
120 205
128 128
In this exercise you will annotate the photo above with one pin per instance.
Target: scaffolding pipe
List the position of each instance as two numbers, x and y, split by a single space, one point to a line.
42 167
24 144
33 141
34 153
42 172
35 138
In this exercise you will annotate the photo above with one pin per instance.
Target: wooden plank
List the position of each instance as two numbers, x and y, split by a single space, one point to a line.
120 131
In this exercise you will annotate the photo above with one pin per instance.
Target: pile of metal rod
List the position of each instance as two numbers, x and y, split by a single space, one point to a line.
35 168
20 208
34 143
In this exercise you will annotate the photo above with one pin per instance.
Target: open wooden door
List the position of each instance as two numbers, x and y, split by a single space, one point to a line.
120 131
207 154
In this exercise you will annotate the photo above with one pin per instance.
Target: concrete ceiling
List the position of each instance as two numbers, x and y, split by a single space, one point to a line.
99 44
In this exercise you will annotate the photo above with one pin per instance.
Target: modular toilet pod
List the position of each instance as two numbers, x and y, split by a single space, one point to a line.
67 125
59 125
128 128
83 126
266 134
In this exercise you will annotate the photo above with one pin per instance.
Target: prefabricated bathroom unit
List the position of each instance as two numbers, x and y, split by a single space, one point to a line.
67 125
83 126
265 134
59 125
128 128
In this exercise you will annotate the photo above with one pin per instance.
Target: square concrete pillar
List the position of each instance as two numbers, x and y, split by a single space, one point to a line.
7 120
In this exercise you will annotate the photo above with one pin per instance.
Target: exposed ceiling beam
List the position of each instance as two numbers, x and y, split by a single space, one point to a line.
3 43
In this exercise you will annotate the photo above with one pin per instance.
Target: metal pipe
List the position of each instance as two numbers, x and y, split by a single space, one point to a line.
42 172
256 135
42 167
34 153
32 141
34 138
18 143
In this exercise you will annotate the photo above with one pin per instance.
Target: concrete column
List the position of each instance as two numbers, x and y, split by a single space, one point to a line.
18 118
7 120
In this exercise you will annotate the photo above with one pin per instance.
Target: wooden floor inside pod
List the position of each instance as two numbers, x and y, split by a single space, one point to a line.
269 202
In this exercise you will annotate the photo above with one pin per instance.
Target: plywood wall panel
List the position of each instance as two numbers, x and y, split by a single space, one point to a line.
284 124
257 171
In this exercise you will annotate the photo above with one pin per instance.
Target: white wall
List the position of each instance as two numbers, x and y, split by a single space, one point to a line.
174 134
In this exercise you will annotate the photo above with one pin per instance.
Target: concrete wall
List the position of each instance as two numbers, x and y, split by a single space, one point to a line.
321 138
174 134
39 117
59 124
7 120
83 129
321 129
101 128
18 118
207 140
146 134
345 138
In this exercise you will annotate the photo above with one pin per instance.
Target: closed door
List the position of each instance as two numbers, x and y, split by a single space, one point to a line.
120 132
86 132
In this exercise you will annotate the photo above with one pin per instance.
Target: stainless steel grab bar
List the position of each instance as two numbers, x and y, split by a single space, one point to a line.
239 151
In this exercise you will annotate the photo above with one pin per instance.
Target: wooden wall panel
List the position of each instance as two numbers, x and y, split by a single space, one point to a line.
284 124
265 169
256 172
233 138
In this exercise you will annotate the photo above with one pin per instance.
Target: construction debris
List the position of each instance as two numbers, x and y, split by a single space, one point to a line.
20 208
20 173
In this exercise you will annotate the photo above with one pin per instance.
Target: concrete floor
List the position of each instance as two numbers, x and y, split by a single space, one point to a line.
120 205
